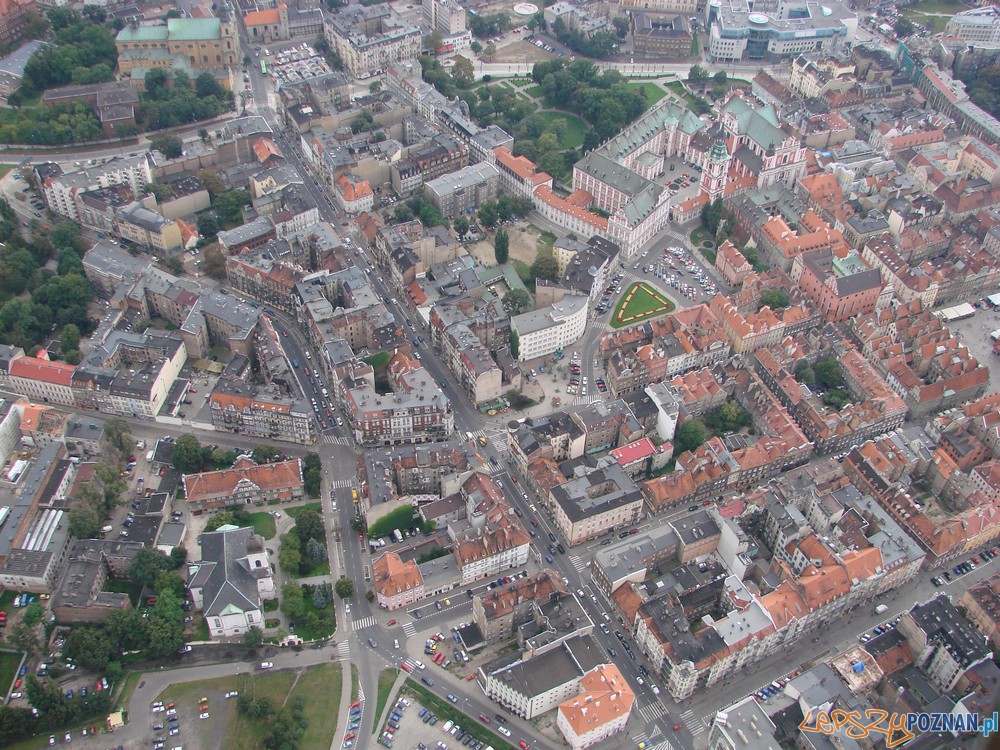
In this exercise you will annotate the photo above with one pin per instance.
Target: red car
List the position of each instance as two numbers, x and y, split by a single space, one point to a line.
677 727
17 684
485 719
471 677
390 623
355 704
361 537
192 390
524 745
406 667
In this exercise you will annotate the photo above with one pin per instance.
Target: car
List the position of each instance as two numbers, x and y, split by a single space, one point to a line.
266 665
52 739
677 727
174 732
186 649
524 745
203 715
692 508
427 681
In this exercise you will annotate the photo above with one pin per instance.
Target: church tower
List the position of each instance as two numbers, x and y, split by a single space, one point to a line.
716 172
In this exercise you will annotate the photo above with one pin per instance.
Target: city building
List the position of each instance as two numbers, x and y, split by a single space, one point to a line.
370 38
445 16
841 287
981 606
201 42
354 194
599 498
60 190
264 412
90 564
733 726
464 191
943 642
397 583
245 483
416 411
979 26
12 15
777 31
230 581
548 329
660 37
600 710
500 611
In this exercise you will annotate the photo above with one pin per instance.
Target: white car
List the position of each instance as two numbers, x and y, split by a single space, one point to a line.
158 709
504 731
233 694
266 665
203 715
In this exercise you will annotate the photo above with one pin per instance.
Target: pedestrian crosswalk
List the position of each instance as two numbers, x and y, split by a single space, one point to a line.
694 723
641 737
336 440
652 711
578 562
496 438
344 651
336 484
409 629
363 622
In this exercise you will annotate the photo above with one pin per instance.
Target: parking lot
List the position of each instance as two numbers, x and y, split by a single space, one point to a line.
677 269
424 730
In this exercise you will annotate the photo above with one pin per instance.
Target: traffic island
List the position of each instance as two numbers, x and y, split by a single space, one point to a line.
640 302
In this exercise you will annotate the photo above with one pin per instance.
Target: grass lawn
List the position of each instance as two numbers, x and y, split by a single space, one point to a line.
544 245
386 679
320 569
401 518
263 524
379 360
8 669
653 92
321 686
318 686
936 24
327 621
355 681
294 512
129 686
938 6
5 168
573 137
699 235
201 631
7 600
446 711
709 255
640 302
678 88
534 91
524 273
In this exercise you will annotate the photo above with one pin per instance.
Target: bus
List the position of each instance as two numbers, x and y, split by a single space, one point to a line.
263 68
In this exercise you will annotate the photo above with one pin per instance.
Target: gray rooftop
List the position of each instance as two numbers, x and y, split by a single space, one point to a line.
568 661
223 573
546 317
601 489
13 64
626 558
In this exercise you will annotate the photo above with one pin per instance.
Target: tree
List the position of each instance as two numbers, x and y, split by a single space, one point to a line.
515 344
34 26
344 587
804 373
309 525
829 374
292 601
689 436
903 27
165 637
159 191
363 121
621 25
23 637
721 78
208 224
214 264
90 647
70 336
253 638
229 205
501 246
290 553
117 436
370 595
178 556
461 225
517 301
488 216
315 551
265 454
545 268
711 215
776 299
174 265
320 598
312 473
170 581
402 213
212 181
147 565
169 145
84 523
205 86
697 74
463 71
187 454
32 614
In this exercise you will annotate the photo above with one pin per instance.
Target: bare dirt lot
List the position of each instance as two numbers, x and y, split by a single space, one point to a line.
523 246
521 51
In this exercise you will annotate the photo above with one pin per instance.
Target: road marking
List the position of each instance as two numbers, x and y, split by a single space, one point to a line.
409 629
653 711
637 738
693 722
578 562
337 484
344 651
337 440
364 622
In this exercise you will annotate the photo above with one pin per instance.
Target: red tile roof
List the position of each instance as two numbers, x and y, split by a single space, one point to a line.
33 368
